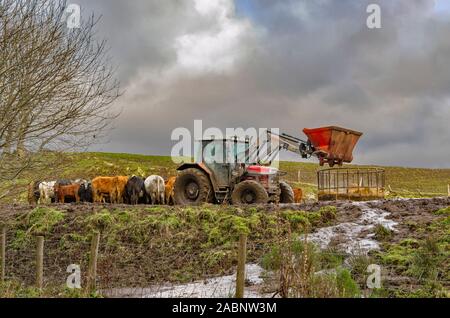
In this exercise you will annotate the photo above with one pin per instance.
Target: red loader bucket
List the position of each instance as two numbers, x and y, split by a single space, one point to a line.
333 145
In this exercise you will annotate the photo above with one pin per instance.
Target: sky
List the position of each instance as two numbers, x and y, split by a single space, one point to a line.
287 64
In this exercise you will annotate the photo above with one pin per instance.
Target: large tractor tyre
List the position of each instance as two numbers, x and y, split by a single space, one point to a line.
249 192
192 187
287 194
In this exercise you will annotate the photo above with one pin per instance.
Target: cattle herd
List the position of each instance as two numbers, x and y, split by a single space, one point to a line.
119 189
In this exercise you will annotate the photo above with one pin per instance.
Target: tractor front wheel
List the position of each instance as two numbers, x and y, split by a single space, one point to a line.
249 192
192 187
287 194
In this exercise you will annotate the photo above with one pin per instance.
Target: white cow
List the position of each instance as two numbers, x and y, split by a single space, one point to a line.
46 192
155 188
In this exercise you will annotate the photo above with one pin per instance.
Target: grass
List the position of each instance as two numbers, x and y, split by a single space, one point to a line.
382 233
302 220
41 220
359 262
444 211
90 165
405 182
304 271
427 261
424 260
14 289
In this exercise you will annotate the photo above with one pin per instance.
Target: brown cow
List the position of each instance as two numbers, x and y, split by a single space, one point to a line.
298 195
102 186
169 190
121 183
114 187
63 191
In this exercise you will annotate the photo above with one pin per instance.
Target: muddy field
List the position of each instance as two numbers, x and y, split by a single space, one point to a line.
154 251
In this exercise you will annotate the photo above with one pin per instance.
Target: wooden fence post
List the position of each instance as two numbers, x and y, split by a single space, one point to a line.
242 256
92 274
40 262
3 254
299 176
448 190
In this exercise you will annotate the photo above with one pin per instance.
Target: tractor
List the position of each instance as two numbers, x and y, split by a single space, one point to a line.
229 172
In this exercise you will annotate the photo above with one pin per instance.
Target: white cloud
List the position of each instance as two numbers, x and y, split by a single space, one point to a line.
218 7
216 49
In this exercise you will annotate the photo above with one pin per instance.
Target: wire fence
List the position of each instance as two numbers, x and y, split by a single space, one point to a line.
121 270
135 270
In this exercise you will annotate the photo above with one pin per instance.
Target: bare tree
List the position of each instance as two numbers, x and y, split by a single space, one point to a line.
56 84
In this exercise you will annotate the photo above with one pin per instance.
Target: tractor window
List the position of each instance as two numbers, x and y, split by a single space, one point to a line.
236 149
213 152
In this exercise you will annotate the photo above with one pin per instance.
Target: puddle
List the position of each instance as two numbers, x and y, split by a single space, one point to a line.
350 236
218 287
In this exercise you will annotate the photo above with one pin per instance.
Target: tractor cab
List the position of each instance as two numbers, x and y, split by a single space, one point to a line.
225 158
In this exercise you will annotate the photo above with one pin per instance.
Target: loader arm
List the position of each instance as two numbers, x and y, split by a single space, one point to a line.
290 143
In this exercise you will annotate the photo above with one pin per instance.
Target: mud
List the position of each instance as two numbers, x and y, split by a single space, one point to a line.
411 214
356 221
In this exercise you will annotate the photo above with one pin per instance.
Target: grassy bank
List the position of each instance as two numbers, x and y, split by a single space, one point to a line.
143 246
151 245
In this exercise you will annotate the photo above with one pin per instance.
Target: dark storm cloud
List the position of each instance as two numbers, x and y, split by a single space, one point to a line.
141 32
288 64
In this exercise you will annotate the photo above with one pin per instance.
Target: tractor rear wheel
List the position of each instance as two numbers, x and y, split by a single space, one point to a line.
192 187
249 192
287 194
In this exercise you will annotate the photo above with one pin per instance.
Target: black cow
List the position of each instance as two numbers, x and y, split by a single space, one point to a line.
85 192
135 191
